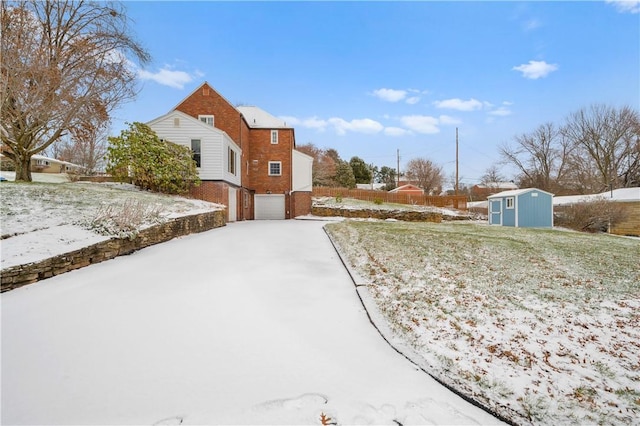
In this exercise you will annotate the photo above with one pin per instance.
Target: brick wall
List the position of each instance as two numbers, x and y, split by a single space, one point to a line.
301 203
206 101
631 224
261 152
20 275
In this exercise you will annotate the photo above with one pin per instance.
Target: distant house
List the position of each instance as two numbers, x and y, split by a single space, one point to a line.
483 190
409 189
42 164
246 157
371 186
524 208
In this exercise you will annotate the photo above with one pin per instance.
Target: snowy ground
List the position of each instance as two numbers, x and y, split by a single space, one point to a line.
53 216
253 323
543 322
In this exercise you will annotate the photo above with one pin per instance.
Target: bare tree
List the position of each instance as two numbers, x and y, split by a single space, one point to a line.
541 157
63 64
426 174
492 176
607 139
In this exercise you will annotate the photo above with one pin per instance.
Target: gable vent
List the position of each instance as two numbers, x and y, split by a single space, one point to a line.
205 91
176 122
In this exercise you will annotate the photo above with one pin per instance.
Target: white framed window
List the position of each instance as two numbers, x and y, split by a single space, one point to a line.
275 168
231 165
206 119
195 149
510 202
274 137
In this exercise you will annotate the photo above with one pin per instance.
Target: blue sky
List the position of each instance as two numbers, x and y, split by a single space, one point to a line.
369 78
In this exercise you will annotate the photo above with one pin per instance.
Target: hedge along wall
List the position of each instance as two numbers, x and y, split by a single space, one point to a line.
20 275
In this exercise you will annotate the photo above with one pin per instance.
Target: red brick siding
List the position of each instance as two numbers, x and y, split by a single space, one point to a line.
206 101
301 203
214 192
262 151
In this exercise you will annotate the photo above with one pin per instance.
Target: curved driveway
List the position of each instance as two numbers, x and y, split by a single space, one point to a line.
254 323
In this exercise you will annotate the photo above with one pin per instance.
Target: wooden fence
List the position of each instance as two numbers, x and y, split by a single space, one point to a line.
454 201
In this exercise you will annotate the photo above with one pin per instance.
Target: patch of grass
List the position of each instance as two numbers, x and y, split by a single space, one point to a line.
545 310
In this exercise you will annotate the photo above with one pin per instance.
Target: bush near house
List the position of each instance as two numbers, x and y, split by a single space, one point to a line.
139 155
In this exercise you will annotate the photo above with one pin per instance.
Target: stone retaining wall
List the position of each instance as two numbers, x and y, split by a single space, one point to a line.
404 215
19 275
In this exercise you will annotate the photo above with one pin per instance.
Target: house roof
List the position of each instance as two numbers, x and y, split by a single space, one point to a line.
193 121
407 187
258 118
516 192
501 185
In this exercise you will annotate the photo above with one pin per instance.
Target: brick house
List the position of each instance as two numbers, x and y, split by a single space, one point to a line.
246 157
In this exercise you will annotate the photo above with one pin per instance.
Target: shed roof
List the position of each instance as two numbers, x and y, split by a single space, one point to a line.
258 118
516 192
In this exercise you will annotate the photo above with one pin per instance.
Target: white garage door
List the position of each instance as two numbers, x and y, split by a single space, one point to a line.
269 206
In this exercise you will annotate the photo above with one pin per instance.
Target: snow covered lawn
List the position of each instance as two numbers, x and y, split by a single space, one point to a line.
253 323
545 322
41 219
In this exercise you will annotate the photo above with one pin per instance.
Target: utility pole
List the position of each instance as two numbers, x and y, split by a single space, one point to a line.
456 191
398 177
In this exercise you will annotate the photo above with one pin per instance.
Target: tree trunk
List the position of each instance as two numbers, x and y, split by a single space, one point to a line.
23 168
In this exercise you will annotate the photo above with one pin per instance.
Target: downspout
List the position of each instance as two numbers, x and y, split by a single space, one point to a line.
293 145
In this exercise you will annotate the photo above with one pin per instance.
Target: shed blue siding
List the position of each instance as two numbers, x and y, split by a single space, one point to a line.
508 215
527 208
535 211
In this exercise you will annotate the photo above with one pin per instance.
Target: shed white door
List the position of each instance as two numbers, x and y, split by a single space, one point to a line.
233 205
269 206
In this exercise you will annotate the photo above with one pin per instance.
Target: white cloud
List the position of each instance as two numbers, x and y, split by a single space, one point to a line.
626 6
448 120
315 123
413 100
364 125
421 123
292 121
396 131
168 77
459 104
390 95
501 112
536 69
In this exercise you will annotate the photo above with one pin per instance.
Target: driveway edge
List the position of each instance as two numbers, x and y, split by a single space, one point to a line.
380 324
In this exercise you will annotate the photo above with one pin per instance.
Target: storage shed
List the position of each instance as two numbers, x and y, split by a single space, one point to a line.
524 208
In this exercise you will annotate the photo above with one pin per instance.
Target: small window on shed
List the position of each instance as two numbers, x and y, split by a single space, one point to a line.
510 202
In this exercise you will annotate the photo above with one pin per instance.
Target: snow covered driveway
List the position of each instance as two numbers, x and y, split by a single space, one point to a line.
254 323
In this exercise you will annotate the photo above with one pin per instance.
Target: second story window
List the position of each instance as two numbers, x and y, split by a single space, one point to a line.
207 119
231 167
274 137
275 168
195 149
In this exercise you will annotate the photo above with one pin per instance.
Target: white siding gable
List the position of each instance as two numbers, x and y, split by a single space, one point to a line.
302 172
181 128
